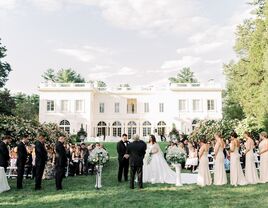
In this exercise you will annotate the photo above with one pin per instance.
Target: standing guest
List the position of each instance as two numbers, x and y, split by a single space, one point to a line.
49 171
236 173
123 159
4 152
61 162
33 163
204 177
136 151
186 148
192 160
40 160
29 162
263 147
21 160
85 155
91 165
76 158
250 169
220 177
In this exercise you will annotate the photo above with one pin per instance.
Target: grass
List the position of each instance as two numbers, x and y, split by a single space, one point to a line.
80 192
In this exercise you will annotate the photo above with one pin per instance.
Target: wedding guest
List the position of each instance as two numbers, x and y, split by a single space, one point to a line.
40 160
192 160
263 148
85 155
91 166
76 159
250 169
220 177
33 162
49 167
61 162
21 160
29 161
204 177
236 173
123 160
186 148
4 152
136 151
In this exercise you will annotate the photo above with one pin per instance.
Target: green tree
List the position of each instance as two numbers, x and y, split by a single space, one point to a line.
63 76
27 106
247 78
5 68
50 75
184 76
7 102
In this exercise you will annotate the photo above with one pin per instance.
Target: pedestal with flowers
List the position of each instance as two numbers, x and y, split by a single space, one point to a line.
98 157
176 158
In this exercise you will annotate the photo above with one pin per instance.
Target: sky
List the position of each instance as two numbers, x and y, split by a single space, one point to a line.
139 42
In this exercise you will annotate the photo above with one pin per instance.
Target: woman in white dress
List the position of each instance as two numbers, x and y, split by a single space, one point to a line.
263 150
192 160
250 169
236 173
220 177
204 177
157 170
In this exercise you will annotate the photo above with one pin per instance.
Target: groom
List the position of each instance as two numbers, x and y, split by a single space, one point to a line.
136 151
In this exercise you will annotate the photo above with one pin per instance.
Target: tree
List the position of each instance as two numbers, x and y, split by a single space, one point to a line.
5 68
184 76
63 76
27 106
7 102
247 79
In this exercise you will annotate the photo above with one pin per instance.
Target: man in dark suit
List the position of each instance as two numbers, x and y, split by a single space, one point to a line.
136 151
40 160
21 160
85 155
61 162
4 152
123 159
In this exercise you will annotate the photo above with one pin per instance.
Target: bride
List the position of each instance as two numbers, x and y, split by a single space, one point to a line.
157 170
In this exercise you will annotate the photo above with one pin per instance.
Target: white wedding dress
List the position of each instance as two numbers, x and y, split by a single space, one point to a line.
157 170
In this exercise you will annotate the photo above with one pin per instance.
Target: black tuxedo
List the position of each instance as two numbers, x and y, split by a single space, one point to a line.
136 151
4 155
40 162
21 161
61 163
123 162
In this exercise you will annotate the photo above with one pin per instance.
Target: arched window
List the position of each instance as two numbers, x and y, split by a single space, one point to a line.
117 129
147 129
161 128
132 129
102 127
65 126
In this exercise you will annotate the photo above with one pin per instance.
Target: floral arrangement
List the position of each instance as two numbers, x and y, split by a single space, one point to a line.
98 157
174 156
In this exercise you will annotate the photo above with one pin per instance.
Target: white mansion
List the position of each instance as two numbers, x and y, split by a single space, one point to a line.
113 111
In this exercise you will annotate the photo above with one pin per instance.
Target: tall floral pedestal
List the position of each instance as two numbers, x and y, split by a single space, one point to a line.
98 176
178 173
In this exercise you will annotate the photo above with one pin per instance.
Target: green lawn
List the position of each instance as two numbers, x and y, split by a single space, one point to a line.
80 192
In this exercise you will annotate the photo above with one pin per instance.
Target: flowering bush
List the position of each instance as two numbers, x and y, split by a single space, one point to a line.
208 128
17 127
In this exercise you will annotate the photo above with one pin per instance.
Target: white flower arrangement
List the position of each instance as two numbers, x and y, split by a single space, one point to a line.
99 157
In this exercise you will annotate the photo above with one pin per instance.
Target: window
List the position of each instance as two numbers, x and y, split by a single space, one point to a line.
146 128
161 128
196 105
132 129
116 107
161 107
64 105
50 105
182 105
146 107
132 106
102 127
101 110
65 126
79 105
117 129
211 105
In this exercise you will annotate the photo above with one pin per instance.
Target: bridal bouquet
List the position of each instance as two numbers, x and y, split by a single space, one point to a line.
174 156
98 157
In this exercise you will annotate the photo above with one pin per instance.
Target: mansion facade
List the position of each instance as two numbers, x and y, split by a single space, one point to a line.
138 110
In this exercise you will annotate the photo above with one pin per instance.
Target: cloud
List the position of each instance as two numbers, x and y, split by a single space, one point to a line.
185 61
126 71
8 4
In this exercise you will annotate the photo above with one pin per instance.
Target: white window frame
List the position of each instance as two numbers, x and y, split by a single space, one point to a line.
161 107
101 107
67 106
117 107
146 108
82 106
199 106
209 105
48 106
185 105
